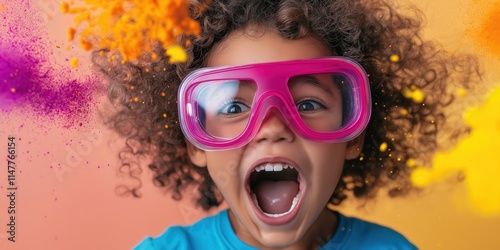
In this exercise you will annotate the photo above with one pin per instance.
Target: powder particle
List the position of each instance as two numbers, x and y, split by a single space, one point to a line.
74 62
416 94
71 34
64 7
176 54
383 147
394 58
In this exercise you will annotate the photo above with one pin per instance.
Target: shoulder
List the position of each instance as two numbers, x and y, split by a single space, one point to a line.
185 237
173 238
354 233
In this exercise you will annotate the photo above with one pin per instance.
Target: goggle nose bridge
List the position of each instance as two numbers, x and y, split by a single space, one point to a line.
268 102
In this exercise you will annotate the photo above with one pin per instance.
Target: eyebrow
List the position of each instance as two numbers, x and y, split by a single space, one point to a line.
311 80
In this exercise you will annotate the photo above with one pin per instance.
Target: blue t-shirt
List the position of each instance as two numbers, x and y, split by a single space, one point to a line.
215 232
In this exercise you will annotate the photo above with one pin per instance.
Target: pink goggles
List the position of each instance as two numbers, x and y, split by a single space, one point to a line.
325 100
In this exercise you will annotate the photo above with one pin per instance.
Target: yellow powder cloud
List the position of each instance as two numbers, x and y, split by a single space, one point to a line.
476 155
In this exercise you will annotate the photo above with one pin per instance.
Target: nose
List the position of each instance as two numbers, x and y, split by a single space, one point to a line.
274 129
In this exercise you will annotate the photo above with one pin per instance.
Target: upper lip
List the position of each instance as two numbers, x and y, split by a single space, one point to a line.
270 160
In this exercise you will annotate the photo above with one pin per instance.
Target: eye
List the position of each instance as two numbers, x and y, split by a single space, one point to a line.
309 105
233 108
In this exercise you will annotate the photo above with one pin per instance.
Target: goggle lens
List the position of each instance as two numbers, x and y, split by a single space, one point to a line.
323 104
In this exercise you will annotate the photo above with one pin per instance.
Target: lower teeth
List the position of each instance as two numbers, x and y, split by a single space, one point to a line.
294 204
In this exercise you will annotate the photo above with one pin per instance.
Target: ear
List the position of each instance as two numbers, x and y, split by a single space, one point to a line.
196 155
354 147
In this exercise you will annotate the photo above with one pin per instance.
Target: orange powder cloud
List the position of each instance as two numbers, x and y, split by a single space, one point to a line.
486 32
133 27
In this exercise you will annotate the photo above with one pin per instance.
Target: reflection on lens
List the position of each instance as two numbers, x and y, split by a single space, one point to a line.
322 100
224 106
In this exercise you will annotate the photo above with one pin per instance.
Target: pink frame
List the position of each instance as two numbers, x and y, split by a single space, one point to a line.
272 92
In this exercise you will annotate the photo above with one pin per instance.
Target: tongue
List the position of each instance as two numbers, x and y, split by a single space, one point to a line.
275 197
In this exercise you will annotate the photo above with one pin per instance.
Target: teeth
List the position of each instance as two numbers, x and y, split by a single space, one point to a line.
294 204
269 167
278 167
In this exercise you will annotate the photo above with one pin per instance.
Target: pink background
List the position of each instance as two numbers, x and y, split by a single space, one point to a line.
76 207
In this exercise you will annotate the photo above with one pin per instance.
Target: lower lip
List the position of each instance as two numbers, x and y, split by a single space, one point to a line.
275 221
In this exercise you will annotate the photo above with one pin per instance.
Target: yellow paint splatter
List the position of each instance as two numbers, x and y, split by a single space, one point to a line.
74 62
383 147
394 58
176 54
461 92
86 45
411 162
64 7
416 94
71 34
133 27
476 156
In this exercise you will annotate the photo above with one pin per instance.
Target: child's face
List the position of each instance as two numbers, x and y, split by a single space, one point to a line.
319 165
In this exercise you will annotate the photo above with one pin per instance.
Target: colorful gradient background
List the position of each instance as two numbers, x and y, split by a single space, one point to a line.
67 161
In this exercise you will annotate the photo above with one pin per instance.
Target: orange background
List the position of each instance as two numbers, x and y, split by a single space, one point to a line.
77 208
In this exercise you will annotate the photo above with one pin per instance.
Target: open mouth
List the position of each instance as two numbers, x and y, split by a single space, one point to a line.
275 190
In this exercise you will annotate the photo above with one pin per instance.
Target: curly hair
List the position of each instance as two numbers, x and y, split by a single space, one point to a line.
387 43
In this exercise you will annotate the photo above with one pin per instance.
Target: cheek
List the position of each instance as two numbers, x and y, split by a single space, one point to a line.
224 169
224 128
328 154
330 162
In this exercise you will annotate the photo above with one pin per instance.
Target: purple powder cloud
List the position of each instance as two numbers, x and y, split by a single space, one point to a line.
28 78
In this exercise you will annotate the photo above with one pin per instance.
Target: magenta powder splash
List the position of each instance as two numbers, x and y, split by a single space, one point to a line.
28 79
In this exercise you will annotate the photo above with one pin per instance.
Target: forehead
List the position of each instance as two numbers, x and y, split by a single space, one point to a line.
251 46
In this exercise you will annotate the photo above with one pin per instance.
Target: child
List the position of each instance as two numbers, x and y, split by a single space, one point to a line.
282 121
